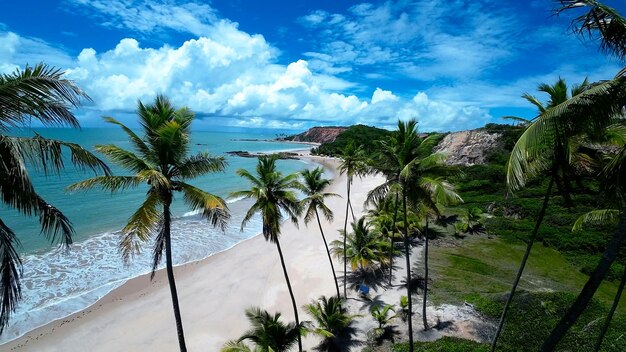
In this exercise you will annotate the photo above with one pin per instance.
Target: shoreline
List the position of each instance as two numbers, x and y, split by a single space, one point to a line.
130 295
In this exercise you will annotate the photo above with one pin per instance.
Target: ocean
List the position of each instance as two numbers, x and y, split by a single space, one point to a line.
58 282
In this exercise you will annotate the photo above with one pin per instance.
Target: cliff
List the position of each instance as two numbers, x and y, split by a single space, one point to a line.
318 135
467 147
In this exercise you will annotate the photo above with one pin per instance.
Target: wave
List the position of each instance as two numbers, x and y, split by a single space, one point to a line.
58 283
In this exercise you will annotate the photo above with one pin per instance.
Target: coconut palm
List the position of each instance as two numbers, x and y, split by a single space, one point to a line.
331 323
41 93
600 106
364 248
314 185
430 193
381 314
352 164
545 148
268 334
274 195
161 160
404 158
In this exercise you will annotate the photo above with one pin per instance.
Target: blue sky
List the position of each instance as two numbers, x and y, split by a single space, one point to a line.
292 65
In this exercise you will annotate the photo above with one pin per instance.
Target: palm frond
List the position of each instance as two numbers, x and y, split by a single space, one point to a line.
213 207
198 165
137 142
124 158
601 22
47 154
597 217
11 272
140 226
41 92
108 183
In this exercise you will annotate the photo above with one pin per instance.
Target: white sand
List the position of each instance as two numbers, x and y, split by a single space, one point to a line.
213 293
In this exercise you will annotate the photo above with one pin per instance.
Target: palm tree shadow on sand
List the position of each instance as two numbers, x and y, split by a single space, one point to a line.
343 342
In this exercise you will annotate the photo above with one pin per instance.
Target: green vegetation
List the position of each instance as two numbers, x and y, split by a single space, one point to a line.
366 137
444 344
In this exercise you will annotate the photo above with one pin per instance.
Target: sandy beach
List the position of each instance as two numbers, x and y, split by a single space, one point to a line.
213 292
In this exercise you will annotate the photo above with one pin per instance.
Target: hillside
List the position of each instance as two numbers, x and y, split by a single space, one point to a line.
318 135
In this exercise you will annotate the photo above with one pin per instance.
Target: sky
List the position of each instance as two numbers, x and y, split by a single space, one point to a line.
291 65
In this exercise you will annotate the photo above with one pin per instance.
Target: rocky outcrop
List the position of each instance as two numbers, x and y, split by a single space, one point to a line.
467 147
246 154
318 135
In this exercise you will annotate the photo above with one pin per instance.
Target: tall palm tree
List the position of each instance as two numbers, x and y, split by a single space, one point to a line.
403 159
545 148
314 185
268 333
600 106
41 93
352 164
431 193
331 323
274 194
161 160
364 248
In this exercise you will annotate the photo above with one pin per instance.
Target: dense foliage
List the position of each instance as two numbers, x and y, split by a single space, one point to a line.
514 215
361 135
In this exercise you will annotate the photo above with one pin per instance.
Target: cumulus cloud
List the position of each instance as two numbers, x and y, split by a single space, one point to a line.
233 79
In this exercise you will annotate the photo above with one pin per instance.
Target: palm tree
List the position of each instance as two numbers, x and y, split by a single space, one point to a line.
600 106
352 164
274 194
161 161
381 315
364 248
544 148
314 186
268 333
431 194
41 93
332 322
403 159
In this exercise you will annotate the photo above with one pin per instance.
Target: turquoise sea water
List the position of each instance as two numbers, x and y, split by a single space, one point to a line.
57 283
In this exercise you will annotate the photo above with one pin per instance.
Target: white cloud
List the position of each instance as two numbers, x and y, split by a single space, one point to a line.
233 79
17 51
149 16
383 95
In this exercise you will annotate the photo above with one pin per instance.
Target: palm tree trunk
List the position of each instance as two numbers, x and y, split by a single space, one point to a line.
522 266
393 233
609 317
425 276
408 271
330 259
352 211
293 299
345 254
590 288
167 220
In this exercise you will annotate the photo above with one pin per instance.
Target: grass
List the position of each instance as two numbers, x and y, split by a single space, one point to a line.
480 271
488 266
444 344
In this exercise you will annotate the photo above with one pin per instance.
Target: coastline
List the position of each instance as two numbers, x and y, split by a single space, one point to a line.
214 292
